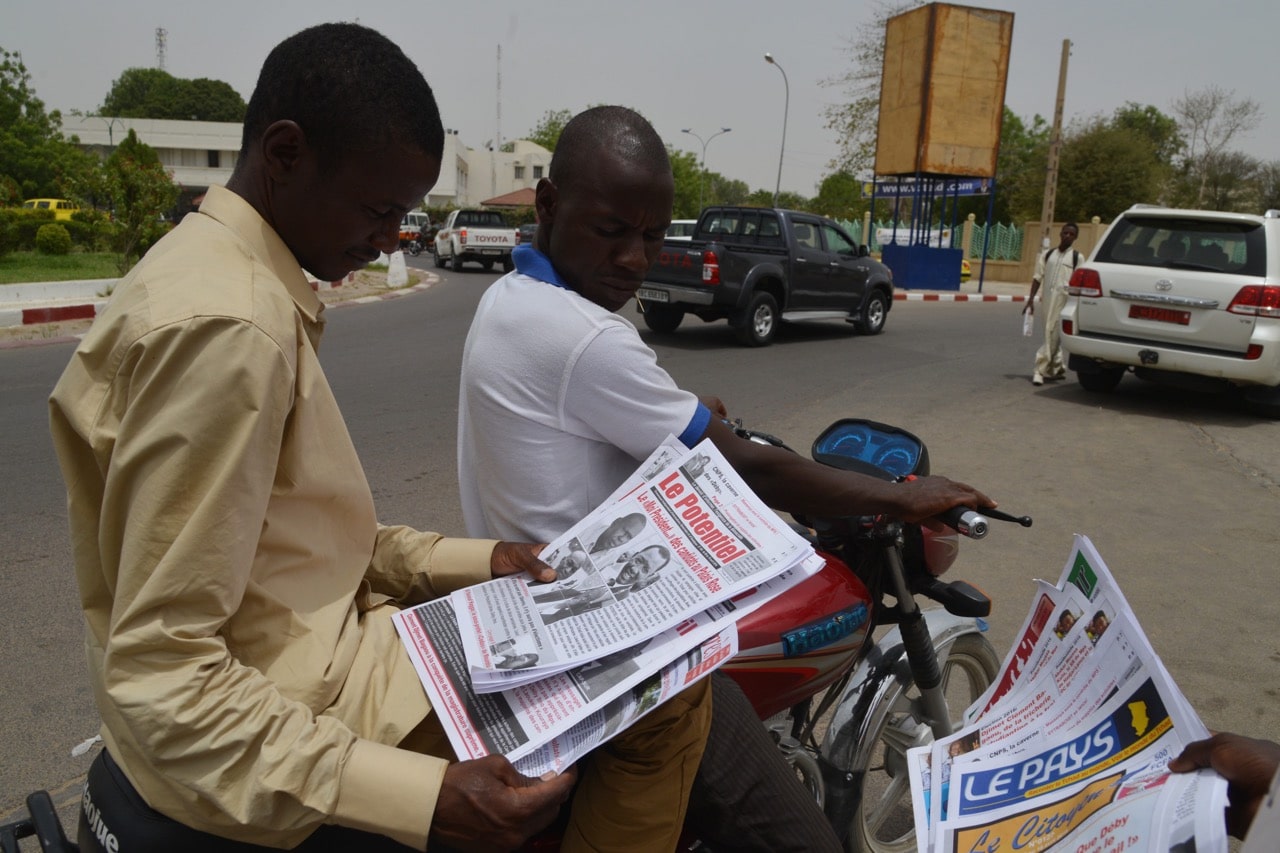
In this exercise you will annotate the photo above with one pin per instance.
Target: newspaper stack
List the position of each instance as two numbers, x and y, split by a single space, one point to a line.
648 592
1068 748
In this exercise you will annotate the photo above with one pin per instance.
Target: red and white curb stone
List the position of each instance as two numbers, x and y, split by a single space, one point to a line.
932 296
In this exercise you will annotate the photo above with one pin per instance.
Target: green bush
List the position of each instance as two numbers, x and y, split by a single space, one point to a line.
25 225
8 237
53 239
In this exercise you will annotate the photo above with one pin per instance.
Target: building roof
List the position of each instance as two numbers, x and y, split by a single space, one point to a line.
520 198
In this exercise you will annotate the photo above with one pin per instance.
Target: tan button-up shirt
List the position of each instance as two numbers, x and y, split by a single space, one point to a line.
236 586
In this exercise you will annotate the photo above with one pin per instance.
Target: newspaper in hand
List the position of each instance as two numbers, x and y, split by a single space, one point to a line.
1068 748
691 537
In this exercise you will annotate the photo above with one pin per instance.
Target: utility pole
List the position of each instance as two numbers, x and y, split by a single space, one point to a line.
1055 144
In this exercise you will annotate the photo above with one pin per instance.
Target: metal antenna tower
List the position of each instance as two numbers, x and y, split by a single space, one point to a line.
161 35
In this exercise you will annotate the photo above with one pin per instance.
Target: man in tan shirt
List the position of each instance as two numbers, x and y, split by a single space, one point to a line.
237 588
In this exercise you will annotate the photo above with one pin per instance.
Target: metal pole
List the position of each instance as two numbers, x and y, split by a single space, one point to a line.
786 106
702 169
1055 144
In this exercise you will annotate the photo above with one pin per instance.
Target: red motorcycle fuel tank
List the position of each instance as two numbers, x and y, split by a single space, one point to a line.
803 640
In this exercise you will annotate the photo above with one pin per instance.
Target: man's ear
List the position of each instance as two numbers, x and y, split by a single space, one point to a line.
545 197
284 147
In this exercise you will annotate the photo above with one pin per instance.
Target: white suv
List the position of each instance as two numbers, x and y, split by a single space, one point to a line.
1188 296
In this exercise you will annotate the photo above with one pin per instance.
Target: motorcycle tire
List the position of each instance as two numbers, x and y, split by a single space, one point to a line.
883 821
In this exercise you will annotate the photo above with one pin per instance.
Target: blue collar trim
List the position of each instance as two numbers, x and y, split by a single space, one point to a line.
529 261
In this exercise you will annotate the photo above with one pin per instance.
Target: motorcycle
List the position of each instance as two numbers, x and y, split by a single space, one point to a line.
843 699
411 242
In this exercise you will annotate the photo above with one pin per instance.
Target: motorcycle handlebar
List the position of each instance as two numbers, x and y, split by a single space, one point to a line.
974 524
965 521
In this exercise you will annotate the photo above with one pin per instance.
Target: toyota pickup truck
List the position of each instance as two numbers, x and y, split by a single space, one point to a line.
480 236
757 266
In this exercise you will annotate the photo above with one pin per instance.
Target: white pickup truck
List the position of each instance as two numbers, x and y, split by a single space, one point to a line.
481 236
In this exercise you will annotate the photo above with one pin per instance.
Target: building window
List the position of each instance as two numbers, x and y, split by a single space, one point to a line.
537 172
519 172
215 159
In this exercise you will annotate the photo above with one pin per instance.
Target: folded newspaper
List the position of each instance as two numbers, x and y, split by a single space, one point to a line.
1068 748
545 718
690 535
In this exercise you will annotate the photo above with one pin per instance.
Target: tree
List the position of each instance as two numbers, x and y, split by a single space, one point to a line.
547 132
1103 169
155 93
1208 120
684 168
1268 186
1231 182
855 121
840 197
140 191
33 155
1154 126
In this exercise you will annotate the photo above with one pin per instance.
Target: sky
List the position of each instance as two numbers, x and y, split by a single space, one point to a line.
696 64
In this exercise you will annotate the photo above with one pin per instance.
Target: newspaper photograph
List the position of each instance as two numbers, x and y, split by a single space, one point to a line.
692 536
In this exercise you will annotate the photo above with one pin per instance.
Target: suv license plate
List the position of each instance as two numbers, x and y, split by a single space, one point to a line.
1160 315
653 295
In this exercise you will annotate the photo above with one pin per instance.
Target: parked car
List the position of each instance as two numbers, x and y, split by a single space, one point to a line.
61 207
527 232
681 229
1183 296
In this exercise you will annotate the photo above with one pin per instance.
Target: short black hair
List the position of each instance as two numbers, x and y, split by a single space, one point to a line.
1071 225
618 129
349 88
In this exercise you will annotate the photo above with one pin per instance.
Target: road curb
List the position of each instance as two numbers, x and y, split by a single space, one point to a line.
932 296
88 311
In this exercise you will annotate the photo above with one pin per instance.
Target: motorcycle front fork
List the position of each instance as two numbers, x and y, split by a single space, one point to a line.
918 645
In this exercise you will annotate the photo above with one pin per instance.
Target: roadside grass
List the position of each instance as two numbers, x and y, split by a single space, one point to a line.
20 267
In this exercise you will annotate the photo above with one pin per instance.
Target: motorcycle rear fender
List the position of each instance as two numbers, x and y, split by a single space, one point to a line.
859 711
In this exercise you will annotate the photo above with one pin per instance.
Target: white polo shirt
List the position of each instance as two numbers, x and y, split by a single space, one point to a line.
559 401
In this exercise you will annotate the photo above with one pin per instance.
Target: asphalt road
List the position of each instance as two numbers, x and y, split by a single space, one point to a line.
1180 493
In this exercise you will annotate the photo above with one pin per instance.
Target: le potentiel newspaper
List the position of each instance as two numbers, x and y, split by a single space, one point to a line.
1068 748
550 723
546 721
691 536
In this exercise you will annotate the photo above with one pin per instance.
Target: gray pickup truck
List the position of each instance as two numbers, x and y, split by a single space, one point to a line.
756 266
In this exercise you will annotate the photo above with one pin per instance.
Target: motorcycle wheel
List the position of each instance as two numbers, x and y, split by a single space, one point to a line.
884 822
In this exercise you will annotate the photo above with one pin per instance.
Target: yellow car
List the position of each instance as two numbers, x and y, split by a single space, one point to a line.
62 209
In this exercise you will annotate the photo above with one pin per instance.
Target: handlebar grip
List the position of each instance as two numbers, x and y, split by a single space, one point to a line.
965 521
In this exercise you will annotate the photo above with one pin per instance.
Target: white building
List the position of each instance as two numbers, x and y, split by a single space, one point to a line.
201 154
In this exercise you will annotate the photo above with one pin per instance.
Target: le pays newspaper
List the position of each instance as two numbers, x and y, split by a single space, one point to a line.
1068 748
648 592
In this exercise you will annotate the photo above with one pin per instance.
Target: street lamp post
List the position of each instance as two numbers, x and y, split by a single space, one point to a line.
111 122
786 105
702 175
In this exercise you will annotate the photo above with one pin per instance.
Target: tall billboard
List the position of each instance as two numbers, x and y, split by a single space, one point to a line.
942 91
